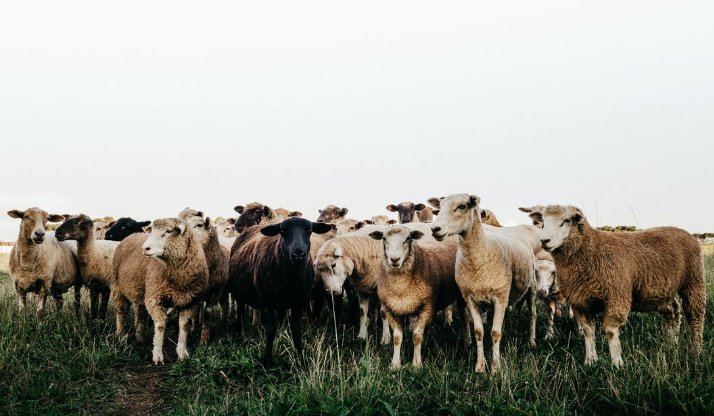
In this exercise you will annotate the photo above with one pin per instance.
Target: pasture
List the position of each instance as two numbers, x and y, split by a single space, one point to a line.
70 365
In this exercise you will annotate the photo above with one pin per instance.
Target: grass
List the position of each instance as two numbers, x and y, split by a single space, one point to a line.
75 366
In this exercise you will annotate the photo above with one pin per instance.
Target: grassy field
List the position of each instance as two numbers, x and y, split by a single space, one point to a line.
70 365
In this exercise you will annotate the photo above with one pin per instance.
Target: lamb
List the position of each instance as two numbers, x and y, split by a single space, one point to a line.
158 271
94 258
347 225
272 270
124 227
40 264
615 273
217 261
493 266
331 214
282 214
406 211
414 280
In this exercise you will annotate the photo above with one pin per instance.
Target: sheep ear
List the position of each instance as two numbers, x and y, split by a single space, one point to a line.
391 208
391 222
434 202
295 214
208 222
66 216
474 201
525 209
360 225
86 223
111 224
268 212
376 235
419 207
55 218
231 220
239 209
343 212
143 223
333 227
200 214
483 214
338 252
536 216
181 227
16 213
435 211
578 218
321 227
368 222
271 230
148 229
416 234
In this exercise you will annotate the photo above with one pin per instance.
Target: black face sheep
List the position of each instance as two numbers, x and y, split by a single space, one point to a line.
615 273
271 269
124 227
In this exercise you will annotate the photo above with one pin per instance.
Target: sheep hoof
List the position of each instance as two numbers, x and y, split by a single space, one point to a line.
617 362
548 335
158 358
590 361
182 353
481 366
362 336
417 366
385 340
532 343
395 366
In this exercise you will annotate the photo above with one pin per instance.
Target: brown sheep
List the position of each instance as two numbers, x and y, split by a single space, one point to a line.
414 280
94 258
425 215
406 211
156 272
331 214
493 266
253 214
615 273
40 264
348 225
487 216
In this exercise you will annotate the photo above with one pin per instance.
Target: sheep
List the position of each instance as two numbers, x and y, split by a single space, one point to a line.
158 271
124 227
100 229
493 266
414 280
94 258
548 290
615 273
536 219
40 264
253 214
406 211
381 220
425 215
217 261
271 269
188 213
487 216
331 214
226 229
347 225
282 214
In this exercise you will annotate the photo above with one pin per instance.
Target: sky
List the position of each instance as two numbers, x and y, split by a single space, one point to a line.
143 108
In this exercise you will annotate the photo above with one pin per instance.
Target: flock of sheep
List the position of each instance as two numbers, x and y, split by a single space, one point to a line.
272 260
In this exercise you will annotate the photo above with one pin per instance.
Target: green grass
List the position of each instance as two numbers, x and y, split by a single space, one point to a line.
69 366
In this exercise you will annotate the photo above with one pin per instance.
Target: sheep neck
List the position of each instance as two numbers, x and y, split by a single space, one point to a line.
473 238
579 241
85 247
27 252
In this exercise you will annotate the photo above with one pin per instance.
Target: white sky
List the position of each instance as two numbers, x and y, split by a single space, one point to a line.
142 108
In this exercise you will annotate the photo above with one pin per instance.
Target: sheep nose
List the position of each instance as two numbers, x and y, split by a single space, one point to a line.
146 249
40 233
544 241
395 260
435 229
299 254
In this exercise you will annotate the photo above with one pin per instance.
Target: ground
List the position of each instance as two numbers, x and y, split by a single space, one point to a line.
70 365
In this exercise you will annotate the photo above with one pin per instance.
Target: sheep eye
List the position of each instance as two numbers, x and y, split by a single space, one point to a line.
564 222
462 206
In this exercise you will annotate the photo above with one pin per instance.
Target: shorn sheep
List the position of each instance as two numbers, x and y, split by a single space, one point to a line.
94 258
40 264
156 272
271 269
493 266
615 273
416 281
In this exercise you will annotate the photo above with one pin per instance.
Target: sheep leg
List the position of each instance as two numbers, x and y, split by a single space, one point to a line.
140 319
93 301
41 298
59 300
184 316
693 301
205 330
21 299
552 305
158 314
121 304
449 315
268 318
385 327
613 320
296 331
224 307
104 304
465 322
396 325
418 334
587 323
499 313
256 316
672 320
363 311
478 335
77 298
240 312
533 316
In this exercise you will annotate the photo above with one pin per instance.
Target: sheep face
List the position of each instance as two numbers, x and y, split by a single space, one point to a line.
162 232
124 227
252 214
226 229
201 228
333 269
456 215
537 219
282 214
347 226
396 244
425 215
331 214
188 213
558 224
406 211
75 228
295 237
545 277
34 223
100 229
380 220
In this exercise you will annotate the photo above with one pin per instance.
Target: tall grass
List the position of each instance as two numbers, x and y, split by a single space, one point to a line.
70 365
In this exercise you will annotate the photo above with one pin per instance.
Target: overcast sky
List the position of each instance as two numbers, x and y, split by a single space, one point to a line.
143 108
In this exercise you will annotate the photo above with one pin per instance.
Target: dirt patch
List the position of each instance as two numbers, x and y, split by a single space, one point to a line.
141 395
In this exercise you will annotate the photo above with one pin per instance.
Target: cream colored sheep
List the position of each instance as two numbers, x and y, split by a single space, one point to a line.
348 225
415 280
380 220
40 264
282 214
493 266
226 229
157 271
615 273
94 257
